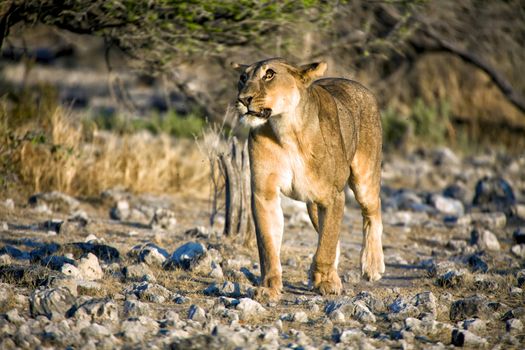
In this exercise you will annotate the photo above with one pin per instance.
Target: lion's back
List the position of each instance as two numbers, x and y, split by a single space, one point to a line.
358 114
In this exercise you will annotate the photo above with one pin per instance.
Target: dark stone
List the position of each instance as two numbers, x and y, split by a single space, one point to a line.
519 235
186 256
477 264
43 251
494 194
461 337
150 246
456 191
375 305
103 252
518 312
474 306
52 225
55 262
28 275
450 279
14 252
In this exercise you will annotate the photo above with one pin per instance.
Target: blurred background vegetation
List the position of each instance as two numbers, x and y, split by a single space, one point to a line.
83 81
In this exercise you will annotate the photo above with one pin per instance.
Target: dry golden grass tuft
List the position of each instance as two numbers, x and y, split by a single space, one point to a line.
73 162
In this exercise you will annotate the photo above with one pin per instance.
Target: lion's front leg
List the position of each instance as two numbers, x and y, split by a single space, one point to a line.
269 224
323 274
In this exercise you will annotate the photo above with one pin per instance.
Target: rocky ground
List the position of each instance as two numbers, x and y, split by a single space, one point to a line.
137 271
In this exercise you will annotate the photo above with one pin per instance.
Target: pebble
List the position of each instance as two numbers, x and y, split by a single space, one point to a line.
447 205
163 219
149 291
464 338
350 335
120 211
300 317
52 303
519 235
484 240
196 313
56 201
494 194
514 325
474 325
138 272
89 268
96 310
518 250
136 329
186 256
474 306
249 308
495 220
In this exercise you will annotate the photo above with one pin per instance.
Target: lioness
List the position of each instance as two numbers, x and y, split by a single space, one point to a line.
309 138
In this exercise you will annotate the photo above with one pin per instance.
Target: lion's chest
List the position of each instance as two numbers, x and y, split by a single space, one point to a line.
298 181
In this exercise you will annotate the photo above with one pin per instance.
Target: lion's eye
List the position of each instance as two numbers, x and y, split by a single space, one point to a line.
269 74
244 77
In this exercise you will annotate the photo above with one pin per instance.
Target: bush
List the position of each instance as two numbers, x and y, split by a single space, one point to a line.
426 124
169 123
47 149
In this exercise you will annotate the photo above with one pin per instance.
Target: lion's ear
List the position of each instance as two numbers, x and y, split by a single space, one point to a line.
239 67
313 70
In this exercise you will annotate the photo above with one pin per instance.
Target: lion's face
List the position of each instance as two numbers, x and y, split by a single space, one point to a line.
266 89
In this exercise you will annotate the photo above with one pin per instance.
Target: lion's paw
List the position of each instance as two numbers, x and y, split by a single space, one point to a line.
372 265
267 294
326 284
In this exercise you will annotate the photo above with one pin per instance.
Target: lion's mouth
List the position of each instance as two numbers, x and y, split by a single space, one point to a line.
264 113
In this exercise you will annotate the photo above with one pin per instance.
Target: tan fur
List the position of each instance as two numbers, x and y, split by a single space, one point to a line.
309 138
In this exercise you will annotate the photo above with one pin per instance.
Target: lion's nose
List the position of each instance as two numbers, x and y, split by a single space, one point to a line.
245 100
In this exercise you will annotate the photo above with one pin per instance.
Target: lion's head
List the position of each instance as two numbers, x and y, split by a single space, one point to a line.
272 87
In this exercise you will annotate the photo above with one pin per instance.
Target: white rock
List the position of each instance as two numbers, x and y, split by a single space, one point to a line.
514 325
5 259
150 292
446 205
97 310
249 308
71 270
9 204
216 271
474 325
120 211
53 302
134 308
163 219
95 331
89 268
138 272
196 313
300 316
425 302
351 335
136 329
485 239
362 313
91 238
13 317
468 339
153 257
337 316
518 250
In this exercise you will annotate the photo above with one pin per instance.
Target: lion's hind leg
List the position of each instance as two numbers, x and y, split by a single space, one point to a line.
365 181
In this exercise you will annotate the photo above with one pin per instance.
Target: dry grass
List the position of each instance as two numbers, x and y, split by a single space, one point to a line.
81 162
